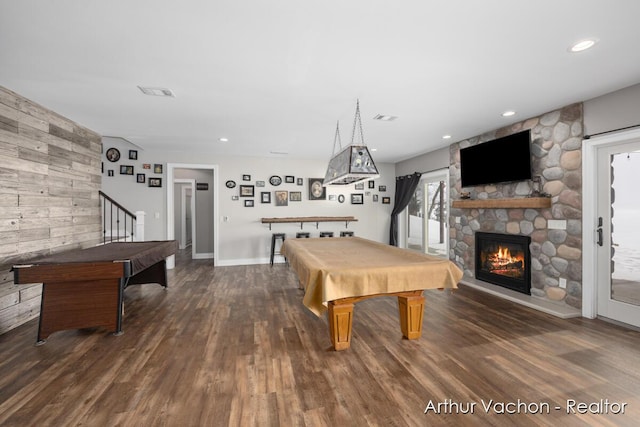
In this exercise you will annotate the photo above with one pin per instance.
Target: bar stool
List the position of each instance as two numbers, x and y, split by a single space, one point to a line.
326 234
274 237
303 234
346 234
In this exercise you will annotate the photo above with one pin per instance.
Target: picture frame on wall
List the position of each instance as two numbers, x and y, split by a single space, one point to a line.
295 196
155 182
299 181
157 168
359 185
316 190
113 154
357 198
372 184
247 190
289 179
260 183
110 172
382 188
140 178
265 197
246 177
248 203
126 170
386 200
133 154
146 166
375 197
282 198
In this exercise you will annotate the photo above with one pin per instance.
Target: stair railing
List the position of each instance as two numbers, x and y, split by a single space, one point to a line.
114 212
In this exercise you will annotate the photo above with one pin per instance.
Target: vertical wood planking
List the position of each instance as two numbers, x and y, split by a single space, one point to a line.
50 175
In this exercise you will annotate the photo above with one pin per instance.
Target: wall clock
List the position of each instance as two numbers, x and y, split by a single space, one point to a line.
113 154
275 180
230 184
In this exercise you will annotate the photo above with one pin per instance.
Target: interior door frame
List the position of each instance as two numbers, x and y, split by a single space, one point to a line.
188 184
170 201
590 214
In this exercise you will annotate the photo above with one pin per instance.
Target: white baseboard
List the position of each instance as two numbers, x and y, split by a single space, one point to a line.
203 255
248 261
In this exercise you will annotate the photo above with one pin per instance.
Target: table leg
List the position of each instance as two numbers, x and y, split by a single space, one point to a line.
77 305
340 323
411 312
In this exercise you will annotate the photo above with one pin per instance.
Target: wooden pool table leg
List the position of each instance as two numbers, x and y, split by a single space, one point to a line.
411 312
340 323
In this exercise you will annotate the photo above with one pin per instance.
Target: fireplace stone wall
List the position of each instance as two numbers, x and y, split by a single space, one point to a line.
556 248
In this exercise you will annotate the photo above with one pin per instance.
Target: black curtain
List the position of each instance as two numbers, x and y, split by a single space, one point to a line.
405 187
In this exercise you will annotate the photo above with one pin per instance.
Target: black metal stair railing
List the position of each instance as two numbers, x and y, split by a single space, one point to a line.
113 213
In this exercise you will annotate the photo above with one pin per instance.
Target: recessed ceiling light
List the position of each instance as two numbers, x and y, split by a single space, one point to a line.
279 153
446 136
157 91
583 45
374 149
223 139
385 118
508 113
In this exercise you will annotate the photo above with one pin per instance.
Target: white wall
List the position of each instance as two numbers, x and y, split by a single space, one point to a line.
243 239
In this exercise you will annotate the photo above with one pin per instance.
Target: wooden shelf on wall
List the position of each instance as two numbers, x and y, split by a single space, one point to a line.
514 203
303 219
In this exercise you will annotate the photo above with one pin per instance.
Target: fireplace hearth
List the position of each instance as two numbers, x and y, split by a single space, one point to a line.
504 260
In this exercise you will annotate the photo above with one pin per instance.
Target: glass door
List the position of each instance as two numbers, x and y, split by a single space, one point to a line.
428 228
618 234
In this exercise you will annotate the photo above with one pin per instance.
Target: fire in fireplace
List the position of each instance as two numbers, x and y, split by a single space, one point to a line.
503 259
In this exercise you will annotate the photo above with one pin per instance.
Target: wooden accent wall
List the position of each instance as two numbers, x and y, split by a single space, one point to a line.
50 174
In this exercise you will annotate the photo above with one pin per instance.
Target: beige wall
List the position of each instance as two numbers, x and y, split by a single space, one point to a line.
428 162
612 111
49 182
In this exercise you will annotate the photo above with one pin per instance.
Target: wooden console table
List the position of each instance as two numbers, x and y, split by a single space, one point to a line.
511 203
303 219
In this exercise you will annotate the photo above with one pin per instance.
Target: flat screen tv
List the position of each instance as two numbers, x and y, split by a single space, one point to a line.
504 159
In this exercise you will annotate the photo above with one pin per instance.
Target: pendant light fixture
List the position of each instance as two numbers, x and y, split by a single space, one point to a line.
354 162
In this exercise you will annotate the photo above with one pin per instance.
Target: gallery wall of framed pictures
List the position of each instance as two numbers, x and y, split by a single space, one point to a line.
127 163
283 189
275 189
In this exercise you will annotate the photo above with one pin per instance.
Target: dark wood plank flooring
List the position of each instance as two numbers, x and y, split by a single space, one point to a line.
235 346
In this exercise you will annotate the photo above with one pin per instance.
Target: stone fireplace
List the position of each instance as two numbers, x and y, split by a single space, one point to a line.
555 230
504 260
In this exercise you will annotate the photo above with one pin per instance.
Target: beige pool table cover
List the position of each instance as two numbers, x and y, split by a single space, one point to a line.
342 267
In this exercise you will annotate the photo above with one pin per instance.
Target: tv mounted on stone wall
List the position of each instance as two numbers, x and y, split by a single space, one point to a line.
505 159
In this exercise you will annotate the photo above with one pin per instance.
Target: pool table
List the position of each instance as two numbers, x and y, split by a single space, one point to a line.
337 272
84 288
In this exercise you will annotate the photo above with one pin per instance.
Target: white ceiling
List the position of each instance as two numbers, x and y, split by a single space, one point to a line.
277 75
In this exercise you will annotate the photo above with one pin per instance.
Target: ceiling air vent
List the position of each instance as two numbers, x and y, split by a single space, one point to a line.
156 91
385 118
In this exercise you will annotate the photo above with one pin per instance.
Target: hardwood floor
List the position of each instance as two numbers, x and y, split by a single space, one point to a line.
235 346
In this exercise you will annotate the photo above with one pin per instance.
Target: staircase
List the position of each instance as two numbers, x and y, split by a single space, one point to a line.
118 223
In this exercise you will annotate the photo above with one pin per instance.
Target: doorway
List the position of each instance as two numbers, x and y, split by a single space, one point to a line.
427 215
205 228
613 247
185 214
